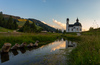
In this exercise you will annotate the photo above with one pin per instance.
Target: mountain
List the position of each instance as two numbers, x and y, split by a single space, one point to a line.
44 26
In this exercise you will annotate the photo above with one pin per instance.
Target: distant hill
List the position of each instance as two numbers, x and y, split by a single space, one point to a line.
21 21
14 17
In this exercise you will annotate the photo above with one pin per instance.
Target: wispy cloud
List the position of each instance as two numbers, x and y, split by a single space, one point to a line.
44 0
62 25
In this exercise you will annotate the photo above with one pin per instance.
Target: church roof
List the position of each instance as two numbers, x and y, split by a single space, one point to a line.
77 24
71 25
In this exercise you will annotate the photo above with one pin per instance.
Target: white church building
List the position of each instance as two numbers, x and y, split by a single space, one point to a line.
76 27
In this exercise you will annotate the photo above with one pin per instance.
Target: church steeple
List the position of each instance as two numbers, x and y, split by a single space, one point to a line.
77 20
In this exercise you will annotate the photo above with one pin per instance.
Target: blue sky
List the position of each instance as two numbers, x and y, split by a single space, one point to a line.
55 12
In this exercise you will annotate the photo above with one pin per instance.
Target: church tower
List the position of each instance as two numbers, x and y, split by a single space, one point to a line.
67 24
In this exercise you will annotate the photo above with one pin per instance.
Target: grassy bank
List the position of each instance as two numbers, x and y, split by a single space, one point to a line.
27 37
87 51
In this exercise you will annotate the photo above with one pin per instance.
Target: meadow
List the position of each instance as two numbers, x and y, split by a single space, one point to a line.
87 51
19 38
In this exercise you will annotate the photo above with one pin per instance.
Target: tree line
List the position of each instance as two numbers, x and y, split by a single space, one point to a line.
8 23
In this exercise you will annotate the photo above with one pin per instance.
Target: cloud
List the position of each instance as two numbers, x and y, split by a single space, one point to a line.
62 25
44 0
47 24
51 25
43 22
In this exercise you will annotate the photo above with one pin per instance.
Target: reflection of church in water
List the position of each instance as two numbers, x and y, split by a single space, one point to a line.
70 44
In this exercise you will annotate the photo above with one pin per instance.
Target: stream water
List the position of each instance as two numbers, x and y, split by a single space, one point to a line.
34 55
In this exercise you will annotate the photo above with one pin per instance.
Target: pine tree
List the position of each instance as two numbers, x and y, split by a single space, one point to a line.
1 17
27 23
26 27
15 24
3 22
33 27
10 23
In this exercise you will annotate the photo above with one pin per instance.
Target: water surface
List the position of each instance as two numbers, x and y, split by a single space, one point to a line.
34 55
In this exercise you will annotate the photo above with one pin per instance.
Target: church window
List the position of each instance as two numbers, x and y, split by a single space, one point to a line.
77 29
80 29
68 29
72 29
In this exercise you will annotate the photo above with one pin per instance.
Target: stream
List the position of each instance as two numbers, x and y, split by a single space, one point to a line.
36 56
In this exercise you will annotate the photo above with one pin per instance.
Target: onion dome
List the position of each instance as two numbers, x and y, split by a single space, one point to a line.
77 23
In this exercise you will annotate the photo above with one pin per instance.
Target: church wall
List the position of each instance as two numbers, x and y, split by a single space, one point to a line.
70 29
78 29
74 29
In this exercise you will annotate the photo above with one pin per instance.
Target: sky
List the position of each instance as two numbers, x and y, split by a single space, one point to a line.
55 12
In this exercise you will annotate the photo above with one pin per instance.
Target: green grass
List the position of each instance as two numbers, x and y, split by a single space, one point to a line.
5 30
19 38
87 51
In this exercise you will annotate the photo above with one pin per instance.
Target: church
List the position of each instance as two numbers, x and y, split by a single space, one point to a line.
76 27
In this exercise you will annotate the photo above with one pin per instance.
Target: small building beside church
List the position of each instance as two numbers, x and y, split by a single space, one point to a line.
76 27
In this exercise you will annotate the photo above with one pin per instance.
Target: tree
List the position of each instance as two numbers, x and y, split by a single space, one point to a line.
57 31
64 32
15 24
33 27
60 31
26 27
3 22
91 29
10 23
1 17
27 23
39 30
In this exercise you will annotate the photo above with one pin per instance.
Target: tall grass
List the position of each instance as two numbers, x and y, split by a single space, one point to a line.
26 37
87 51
